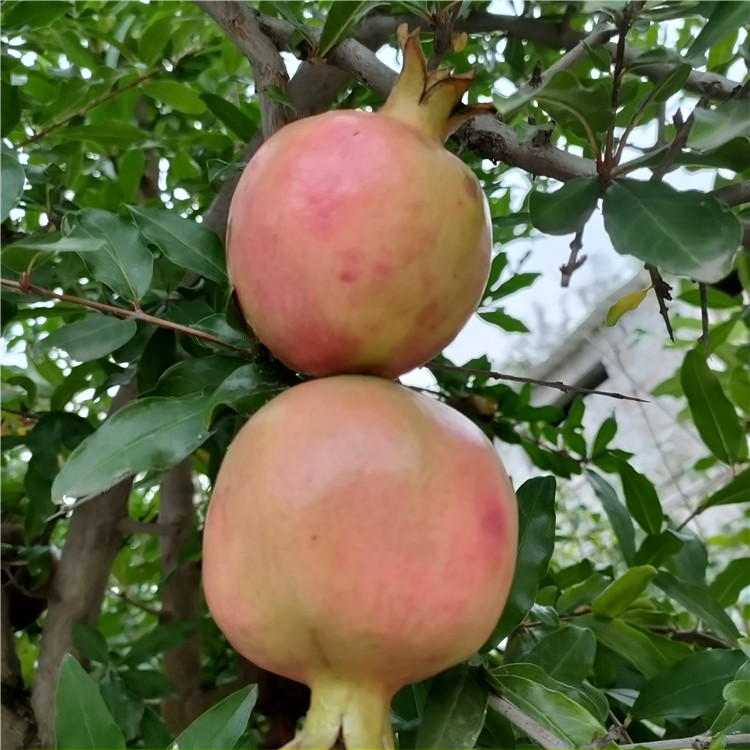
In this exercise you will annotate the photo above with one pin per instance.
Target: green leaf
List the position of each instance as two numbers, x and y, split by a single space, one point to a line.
738 692
626 303
126 709
222 725
341 19
123 263
728 584
714 416
233 117
566 210
82 721
155 37
618 515
145 435
621 593
684 233
607 431
515 283
176 95
697 600
245 391
581 593
90 642
106 134
566 654
641 498
91 337
39 14
12 179
734 492
10 112
453 714
724 18
497 732
536 541
656 548
690 688
564 717
160 639
20 254
154 732
649 653
149 684
501 319
278 95
186 243
196 375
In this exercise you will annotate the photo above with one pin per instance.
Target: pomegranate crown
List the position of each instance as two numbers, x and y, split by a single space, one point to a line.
429 101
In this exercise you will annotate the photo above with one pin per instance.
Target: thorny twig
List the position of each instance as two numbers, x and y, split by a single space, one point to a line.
663 292
444 22
704 339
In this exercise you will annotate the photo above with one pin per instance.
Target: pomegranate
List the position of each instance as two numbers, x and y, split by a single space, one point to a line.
356 243
360 537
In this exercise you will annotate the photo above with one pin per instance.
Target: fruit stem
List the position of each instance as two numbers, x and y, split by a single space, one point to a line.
430 102
357 711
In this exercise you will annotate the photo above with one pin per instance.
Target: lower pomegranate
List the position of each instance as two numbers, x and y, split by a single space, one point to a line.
360 537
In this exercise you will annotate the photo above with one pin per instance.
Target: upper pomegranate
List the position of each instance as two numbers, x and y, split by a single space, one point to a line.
356 242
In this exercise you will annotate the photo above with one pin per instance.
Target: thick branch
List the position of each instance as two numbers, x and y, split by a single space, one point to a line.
91 544
733 195
180 596
240 24
698 742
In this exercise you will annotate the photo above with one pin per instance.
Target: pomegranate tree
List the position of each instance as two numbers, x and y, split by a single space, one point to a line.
356 242
360 537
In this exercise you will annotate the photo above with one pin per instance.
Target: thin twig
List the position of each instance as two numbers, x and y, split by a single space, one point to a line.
443 37
574 262
121 312
534 381
663 293
135 603
698 742
535 731
704 318
678 142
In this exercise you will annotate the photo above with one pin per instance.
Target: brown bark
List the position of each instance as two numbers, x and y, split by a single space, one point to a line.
92 542
180 596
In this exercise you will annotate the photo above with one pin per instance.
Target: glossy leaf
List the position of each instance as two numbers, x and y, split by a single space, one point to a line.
341 18
245 391
91 337
566 210
619 518
566 654
649 653
738 692
581 593
232 116
196 375
564 717
222 725
728 584
90 643
713 414
502 320
621 593
690 688
126 708
82 721
160 639
734 492
684 233
123 263
453 714
176 95
725 17
641 498
626 303
13 179
145 435
536 541
186 243
700 603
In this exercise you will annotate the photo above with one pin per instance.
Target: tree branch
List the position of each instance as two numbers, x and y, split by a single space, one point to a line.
543 737
520 379
698 742
91 545
663 292
240 24
574 262
121 312
733 195
551 34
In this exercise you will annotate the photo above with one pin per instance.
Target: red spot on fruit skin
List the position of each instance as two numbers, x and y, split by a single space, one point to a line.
470 187
347 276
383 269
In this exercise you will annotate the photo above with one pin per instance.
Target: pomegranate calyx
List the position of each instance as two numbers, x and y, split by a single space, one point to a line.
343 709
430 102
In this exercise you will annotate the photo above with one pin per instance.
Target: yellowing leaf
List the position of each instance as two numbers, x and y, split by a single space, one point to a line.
624 304
459 41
